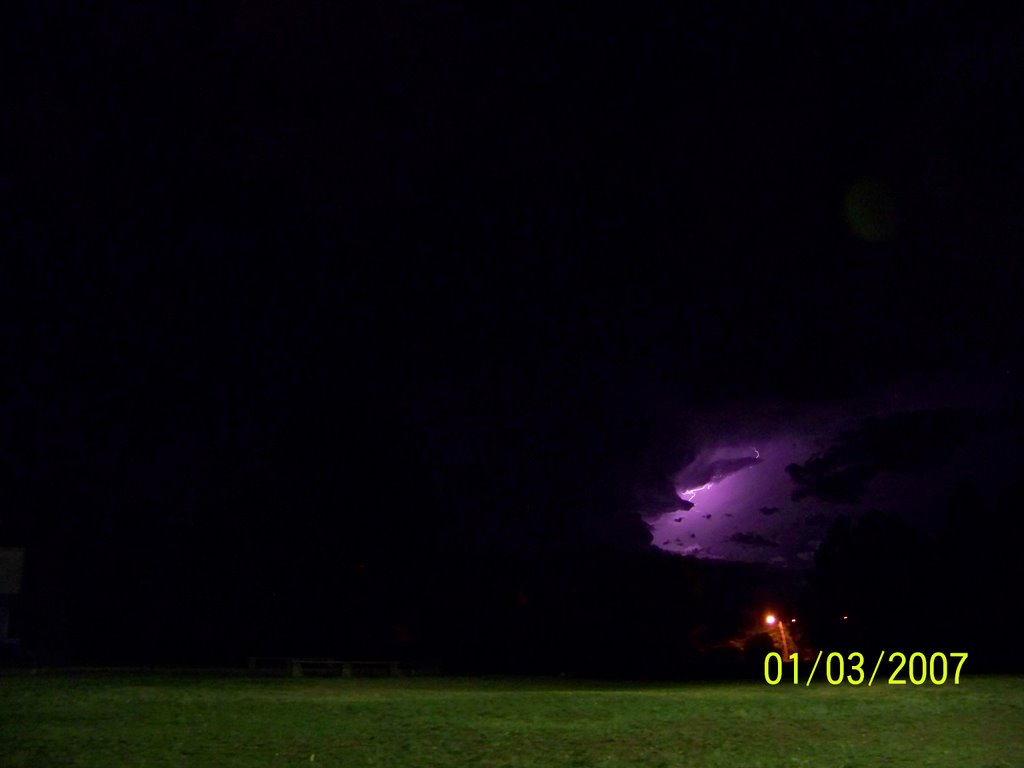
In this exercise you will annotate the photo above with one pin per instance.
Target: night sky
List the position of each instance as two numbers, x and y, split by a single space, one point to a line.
456 304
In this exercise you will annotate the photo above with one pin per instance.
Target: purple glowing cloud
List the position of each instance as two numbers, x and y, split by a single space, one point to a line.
727 486
904 451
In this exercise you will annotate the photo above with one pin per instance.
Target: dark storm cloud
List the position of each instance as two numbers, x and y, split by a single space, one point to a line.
699 474
910 442
725 467
770 510
719 470
752 539
822 478
818 519
651 502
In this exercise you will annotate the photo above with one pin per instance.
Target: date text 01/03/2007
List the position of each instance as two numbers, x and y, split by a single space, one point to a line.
919 668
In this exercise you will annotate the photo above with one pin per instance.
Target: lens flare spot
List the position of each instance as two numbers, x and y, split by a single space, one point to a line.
871 210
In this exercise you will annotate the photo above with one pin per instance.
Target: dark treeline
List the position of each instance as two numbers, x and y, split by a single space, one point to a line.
595 612
603 613
905 590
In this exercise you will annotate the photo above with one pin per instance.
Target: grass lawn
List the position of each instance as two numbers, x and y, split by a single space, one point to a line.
108 720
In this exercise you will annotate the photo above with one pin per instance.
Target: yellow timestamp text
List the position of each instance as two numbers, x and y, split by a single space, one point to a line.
917 668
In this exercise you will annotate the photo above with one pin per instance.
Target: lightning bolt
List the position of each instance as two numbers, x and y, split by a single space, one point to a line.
691 492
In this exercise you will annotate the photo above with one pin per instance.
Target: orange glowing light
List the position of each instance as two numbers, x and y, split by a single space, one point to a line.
769 619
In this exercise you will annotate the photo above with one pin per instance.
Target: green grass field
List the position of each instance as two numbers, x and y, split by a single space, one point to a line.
108 720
